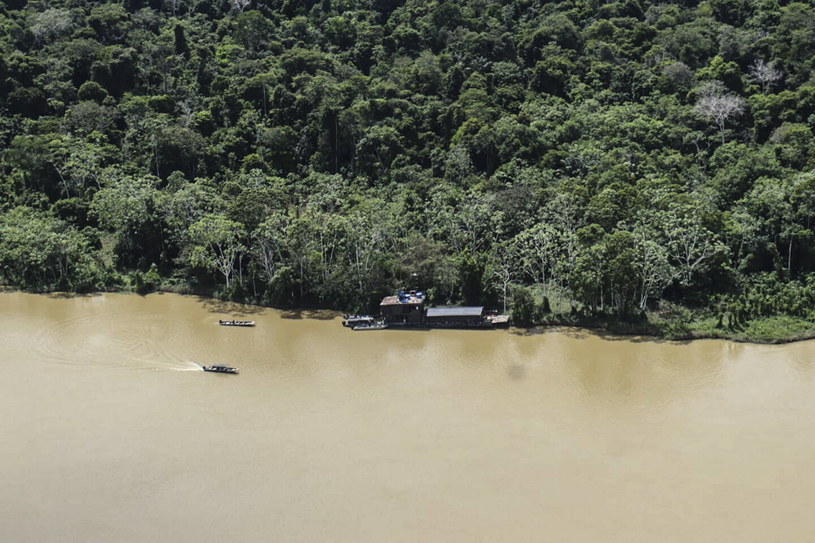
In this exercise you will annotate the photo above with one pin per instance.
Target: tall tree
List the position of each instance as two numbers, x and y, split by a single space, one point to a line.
216 244
716 104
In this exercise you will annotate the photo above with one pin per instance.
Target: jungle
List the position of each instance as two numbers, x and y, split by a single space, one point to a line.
646 167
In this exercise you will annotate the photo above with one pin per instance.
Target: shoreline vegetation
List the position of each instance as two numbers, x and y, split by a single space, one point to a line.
765 330
638 166
674 324
669 321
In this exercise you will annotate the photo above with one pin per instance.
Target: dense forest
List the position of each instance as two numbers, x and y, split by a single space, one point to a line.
584 158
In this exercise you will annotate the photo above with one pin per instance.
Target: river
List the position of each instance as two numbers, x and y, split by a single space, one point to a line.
110 431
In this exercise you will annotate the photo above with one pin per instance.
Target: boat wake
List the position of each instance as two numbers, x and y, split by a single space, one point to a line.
126 340
189 365
168 363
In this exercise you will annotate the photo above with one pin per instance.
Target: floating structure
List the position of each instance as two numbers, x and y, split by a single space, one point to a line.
220 368
407 310
236 323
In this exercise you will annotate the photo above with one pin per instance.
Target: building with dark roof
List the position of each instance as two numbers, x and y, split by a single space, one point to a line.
455 316
405 307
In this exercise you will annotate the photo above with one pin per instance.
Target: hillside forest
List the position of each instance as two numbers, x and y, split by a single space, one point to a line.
644 162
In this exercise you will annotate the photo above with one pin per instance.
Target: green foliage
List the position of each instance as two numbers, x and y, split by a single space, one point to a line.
43 252
612 158
523 307
91 90
216 244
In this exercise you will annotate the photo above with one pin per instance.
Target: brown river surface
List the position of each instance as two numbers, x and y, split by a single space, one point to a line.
110 431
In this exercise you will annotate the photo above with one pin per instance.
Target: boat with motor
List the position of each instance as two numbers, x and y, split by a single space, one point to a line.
221 368
350 321
236 323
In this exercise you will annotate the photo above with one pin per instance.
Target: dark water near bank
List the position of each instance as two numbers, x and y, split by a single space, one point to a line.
110 431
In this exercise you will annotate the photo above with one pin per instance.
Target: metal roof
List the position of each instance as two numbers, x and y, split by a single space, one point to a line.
455 311
394 300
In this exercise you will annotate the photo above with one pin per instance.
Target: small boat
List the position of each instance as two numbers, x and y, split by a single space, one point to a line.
236 323
220 368
355 320
370 326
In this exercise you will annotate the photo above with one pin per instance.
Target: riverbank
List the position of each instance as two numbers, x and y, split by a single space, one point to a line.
769 330
675 324
687 325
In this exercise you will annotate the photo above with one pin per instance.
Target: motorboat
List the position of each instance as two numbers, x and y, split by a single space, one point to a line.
236 323
220 368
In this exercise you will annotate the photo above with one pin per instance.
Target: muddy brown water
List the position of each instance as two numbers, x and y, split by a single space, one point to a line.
110 431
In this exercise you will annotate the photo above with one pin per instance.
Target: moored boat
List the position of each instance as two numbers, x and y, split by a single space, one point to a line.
370 326
221 368
236 323
350 321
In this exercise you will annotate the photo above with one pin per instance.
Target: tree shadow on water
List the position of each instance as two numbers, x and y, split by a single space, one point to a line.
226 307
550 329
610 335
578 332
317 314
71 295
